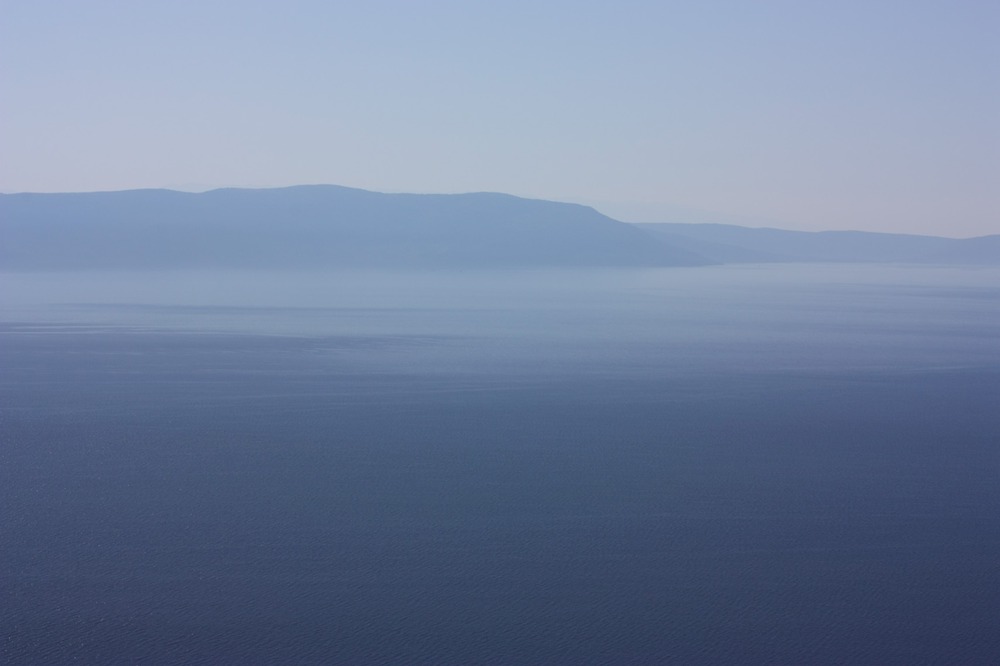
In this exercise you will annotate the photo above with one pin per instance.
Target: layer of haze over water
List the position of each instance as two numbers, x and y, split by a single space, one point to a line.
734 464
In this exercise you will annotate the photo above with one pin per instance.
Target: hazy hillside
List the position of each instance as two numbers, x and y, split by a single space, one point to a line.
319 226
326 226
729 243
982 250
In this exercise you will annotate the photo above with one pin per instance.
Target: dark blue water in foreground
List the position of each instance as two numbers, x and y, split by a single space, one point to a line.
736 465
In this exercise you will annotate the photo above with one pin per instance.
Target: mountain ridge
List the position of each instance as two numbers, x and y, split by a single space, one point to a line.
728 243
314 226
318 226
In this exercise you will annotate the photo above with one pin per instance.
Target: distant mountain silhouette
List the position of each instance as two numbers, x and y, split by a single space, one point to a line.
724 243
314 226
327 226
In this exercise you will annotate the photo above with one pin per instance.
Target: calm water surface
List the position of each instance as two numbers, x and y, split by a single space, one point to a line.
781 464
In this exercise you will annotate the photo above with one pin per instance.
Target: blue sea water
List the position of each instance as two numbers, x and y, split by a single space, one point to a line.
749 464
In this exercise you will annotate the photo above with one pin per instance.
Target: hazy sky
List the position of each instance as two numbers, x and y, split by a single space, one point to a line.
812 114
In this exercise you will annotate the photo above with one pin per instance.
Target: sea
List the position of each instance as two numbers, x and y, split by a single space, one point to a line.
746 464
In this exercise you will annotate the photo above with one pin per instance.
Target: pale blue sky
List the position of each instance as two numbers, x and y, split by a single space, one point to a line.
812 114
